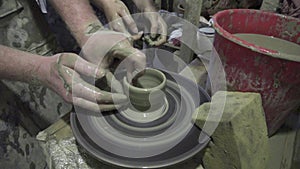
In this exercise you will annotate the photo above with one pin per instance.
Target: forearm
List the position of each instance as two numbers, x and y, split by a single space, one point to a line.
19 66
79 17
145 5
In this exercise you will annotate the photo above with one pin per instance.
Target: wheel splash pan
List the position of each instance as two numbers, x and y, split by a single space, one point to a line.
113 139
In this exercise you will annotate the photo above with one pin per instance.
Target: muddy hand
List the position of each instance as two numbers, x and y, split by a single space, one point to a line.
105 47
158 27
62 74
134 59
118 16
158 30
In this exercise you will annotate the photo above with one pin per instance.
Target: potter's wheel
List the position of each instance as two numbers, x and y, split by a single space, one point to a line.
117 139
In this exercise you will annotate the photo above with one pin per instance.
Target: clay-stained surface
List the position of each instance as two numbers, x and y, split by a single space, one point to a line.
241 133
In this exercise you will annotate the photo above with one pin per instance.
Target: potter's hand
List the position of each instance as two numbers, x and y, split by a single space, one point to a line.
158 27
106 48
158 30
61 73
117 15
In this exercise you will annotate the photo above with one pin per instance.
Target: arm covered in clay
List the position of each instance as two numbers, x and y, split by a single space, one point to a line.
61 73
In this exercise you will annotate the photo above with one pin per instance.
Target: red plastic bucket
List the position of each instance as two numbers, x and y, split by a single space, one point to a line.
250 68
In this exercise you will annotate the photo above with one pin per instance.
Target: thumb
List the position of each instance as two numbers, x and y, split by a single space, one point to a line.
113 83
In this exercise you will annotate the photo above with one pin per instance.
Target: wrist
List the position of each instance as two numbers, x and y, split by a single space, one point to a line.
87 31
43 70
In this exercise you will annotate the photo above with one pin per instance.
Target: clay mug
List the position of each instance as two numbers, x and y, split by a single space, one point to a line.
146 91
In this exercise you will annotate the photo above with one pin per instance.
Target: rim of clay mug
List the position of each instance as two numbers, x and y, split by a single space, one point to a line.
157 73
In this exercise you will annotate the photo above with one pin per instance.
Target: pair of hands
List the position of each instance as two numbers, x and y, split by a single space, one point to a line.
62 72
119 17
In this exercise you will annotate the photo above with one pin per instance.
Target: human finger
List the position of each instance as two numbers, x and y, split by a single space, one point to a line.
86 104
126 51
113 83
80 65
160 40
135 59
163 32
136 36
129 21
148 40
118 25
130 71
154 24
135 66
80 88
89 92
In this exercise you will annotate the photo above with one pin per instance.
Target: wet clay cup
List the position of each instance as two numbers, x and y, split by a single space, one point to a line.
146 91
